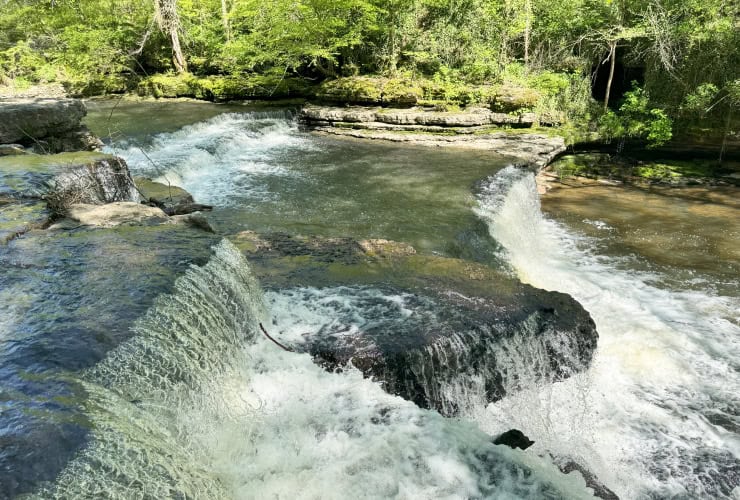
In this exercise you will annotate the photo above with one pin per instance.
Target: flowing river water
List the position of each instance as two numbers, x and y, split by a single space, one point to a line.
143 413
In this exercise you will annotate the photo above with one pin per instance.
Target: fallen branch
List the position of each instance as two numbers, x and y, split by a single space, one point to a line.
275 341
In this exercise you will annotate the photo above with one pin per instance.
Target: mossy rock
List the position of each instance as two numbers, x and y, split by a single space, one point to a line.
513 98
448 93
371 90
171 195
171 85
103 85
222 88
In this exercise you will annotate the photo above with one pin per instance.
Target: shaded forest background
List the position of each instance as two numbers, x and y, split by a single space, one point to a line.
637 68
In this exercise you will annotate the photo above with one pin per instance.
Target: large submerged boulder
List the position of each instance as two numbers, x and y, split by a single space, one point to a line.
465 334
48 125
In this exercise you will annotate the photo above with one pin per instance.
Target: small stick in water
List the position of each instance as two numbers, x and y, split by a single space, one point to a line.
275 341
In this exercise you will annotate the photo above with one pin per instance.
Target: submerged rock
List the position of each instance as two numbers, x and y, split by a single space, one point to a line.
600 489
53 125
115 214
465 334
20 216
514 438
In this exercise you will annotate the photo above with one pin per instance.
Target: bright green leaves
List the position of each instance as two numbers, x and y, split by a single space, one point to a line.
636 119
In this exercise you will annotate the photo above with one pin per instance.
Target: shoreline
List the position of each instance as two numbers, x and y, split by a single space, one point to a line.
521 135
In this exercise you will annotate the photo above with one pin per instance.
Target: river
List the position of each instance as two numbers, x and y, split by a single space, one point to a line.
222 415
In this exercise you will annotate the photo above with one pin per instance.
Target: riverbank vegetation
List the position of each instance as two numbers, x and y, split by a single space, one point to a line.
622 68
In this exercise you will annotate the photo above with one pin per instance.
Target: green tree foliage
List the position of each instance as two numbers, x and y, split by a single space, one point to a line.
463 50
636 119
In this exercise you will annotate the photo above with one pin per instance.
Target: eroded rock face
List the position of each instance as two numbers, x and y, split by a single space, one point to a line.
472 129
463 335
415 116
26 121
34 189
100 180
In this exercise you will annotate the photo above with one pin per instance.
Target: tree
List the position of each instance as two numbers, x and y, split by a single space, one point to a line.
168 20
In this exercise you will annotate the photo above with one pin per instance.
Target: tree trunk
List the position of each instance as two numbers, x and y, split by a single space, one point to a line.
178 59
225 19
527 30
612 63
169 22
724 136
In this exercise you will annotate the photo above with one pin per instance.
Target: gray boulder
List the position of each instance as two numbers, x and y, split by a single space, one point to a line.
26 121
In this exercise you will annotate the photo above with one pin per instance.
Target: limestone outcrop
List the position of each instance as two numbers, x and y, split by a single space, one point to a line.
476 128
47 125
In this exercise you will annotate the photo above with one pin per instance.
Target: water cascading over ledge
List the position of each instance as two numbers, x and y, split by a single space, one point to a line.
179 347
196 406
444 333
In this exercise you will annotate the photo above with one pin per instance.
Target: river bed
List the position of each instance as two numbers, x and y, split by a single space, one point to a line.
656 415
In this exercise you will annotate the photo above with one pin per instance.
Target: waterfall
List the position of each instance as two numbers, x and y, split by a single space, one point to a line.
219 160
184 344
653 416
448 355
199 405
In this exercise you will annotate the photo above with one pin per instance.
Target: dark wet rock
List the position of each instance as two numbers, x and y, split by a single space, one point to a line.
600 490
81 139
33 121
467 334
196 220
187 208
514 438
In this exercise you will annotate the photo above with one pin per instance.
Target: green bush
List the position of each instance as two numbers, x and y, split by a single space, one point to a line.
636 119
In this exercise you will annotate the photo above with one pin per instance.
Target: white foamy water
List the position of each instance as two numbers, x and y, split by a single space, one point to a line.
220 161
200 405
656 416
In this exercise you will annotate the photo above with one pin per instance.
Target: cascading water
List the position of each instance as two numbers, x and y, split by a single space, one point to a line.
656 416
451 358
216 160
196 406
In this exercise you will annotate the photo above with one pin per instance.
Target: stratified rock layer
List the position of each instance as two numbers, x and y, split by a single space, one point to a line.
46 125
477 128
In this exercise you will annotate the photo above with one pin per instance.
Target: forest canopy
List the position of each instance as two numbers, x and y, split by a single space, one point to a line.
680 56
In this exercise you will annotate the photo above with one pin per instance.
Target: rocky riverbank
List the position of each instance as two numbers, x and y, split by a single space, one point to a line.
474 128
599 169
